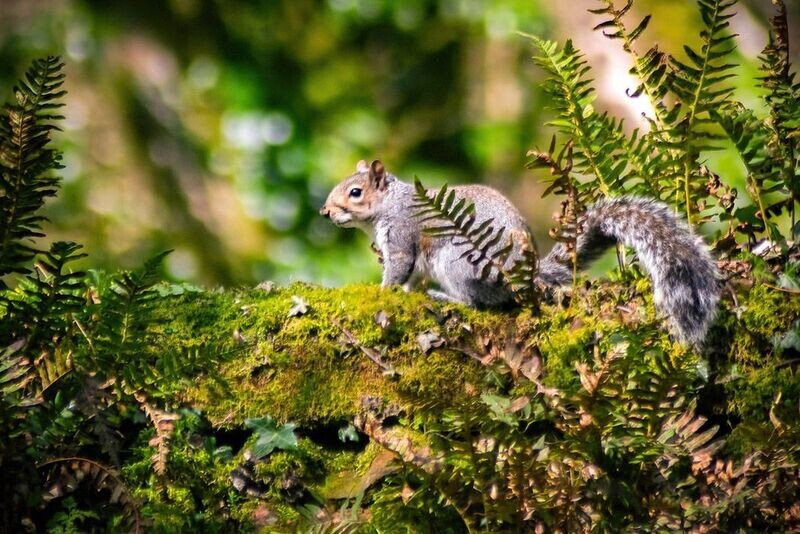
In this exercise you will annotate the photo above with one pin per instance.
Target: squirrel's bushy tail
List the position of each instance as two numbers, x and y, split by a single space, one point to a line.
684 276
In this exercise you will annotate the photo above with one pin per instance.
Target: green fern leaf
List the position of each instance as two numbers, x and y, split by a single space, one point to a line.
26 161
754 142
123 339
600 146
783 99
700 85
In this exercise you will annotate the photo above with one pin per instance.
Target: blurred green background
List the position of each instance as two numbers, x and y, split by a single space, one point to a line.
216 128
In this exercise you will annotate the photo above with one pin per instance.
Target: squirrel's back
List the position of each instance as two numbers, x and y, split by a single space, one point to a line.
490 203
444 259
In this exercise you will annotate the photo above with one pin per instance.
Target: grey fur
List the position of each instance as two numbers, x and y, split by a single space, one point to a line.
684 277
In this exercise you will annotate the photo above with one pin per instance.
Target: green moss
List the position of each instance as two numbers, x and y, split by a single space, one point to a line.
349 472
302 369
306 464
753 396
763 314
597 319
750 335
564 343
194 492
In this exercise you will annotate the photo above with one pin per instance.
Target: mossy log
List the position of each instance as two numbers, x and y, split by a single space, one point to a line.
308 354
314 356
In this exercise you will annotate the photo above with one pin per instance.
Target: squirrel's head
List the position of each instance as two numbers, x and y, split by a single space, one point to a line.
353 203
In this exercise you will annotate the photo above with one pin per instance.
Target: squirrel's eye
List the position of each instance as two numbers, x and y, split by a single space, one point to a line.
355 192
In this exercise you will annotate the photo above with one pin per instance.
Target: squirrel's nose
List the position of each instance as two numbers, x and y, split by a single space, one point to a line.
325 212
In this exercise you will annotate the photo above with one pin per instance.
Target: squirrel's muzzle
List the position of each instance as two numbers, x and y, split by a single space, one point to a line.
325 212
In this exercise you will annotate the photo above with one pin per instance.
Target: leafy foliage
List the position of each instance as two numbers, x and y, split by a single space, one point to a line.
564 183
73 471
597 139
270 436
692 104
75 351
782 97
25 161
125 334
40 311
579 469
652 70
577 419
667 158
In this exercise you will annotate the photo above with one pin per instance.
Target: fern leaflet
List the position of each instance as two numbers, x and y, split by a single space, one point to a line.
25 159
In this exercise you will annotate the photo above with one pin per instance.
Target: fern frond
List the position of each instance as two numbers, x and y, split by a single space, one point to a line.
522 276
656 78
164 425
652 69
457 215
73 471
15 372
598 138
783 98
123 339
752 138
511 259
701 86
778 77
563 183
26 160
93 401
682 435
40 308
56 427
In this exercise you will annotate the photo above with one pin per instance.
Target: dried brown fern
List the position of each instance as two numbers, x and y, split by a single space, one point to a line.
67 474
164 424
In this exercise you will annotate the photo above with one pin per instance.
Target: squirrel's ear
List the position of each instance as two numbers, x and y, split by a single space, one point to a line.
362 166
377 175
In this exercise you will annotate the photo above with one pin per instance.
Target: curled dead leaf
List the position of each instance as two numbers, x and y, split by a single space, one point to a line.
520 403
429 340
299 307
266 286
531 368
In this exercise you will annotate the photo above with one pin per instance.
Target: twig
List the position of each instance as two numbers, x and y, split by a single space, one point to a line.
730 289
784 289
370 353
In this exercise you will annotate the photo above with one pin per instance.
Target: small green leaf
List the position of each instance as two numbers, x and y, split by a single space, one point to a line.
271 436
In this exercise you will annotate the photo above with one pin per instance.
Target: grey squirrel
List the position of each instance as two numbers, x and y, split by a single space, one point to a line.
684 276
